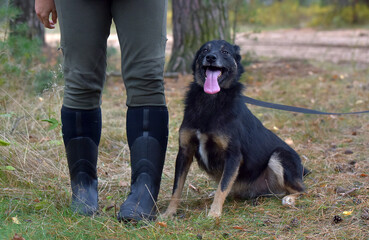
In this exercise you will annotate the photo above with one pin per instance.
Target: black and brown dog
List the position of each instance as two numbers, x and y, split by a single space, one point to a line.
228 141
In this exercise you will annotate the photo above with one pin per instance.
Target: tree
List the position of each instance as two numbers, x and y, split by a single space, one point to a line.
26 23
194 23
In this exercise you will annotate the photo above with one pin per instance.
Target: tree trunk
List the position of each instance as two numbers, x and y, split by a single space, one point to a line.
194 23
355 18
26 23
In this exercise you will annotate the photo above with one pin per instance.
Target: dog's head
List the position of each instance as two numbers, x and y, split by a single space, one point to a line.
217 66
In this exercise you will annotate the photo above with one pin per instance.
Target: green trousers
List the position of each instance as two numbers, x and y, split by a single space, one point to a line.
85 27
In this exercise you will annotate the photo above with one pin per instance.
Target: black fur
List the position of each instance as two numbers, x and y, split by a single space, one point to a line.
224 118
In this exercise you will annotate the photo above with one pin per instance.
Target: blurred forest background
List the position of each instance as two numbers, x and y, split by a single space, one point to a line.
190 22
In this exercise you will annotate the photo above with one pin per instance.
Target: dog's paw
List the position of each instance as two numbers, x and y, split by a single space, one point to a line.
168 214
214 214
289 200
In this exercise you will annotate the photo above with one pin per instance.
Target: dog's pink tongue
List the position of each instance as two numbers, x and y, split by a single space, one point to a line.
211 85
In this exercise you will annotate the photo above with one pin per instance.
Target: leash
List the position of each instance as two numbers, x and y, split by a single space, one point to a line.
292 108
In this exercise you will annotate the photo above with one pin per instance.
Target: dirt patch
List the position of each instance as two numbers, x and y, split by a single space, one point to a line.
269 70
335 46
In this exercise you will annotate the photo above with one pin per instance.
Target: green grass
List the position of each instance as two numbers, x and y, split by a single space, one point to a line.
34 180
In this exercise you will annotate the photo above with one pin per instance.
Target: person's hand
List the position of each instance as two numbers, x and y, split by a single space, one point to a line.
43 10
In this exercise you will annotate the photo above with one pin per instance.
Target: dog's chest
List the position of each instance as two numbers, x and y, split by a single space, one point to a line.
203 138
211 149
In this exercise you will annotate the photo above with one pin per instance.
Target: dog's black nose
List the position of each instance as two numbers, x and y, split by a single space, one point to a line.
211 58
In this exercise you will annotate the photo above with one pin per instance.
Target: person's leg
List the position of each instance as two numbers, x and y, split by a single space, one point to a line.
141 27
85 27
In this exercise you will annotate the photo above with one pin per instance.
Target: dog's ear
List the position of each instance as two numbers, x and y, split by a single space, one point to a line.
195 61
237 55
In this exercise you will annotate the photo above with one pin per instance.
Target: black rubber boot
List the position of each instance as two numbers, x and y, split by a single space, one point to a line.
82 160
147 133
81 133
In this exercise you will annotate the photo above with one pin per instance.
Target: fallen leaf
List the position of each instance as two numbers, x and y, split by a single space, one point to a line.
162 224
289 141
363 175
347 213
239 228
335 77
15 220
18 237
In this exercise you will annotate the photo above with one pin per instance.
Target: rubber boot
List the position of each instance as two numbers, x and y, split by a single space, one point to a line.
147 134
81 133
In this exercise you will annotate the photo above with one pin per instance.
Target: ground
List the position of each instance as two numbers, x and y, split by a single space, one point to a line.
323 70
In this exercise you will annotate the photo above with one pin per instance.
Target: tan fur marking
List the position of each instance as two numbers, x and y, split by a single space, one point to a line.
220 196
291 190
221 141
176 197
185 136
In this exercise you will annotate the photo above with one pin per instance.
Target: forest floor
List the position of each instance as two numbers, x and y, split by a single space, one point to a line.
322 70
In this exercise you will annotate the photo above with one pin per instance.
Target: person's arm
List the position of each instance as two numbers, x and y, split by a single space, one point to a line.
43 10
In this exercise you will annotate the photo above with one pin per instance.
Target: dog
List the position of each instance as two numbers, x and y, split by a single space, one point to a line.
229 143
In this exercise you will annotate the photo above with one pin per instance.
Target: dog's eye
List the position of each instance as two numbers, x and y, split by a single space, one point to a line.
224 52
205 50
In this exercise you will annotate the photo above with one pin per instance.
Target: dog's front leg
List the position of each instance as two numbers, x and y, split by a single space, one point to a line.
183 163
230 172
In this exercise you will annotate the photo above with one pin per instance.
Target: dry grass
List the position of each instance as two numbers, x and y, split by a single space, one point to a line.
37 191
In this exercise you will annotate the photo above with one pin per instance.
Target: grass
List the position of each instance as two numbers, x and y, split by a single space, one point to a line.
34 179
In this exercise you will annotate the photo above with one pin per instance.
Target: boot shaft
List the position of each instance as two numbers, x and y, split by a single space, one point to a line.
147 134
